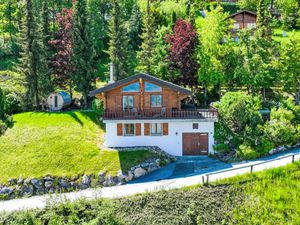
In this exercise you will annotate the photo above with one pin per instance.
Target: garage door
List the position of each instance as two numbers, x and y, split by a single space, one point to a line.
195 143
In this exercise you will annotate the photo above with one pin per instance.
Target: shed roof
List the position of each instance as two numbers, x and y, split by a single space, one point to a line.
136 77
242 11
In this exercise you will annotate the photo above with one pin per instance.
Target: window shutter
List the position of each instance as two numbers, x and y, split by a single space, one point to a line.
165 129
119 129
138 129
146 129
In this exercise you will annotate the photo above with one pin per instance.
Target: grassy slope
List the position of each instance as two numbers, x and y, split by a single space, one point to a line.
269 197
59 144
277 34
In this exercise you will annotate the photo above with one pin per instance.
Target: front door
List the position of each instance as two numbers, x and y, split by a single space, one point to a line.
195 143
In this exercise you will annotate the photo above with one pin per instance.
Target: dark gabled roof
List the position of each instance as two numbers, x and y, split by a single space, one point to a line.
136 77
242 11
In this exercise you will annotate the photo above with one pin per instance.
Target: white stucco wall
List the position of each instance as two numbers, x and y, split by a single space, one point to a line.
171 143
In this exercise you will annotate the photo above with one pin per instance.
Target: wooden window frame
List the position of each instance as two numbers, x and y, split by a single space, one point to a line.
161 101
145 84
125 131
127 108
135 91
156 129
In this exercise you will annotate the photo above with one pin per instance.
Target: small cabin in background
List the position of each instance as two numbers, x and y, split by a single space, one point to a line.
57 101
242 20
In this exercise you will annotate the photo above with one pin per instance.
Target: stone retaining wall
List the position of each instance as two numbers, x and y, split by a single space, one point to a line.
48 184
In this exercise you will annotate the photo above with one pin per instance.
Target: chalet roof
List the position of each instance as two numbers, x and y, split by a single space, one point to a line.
242 11
137 77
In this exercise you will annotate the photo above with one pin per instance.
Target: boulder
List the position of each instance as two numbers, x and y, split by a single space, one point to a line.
101 177
144 165
12 181
130 176
26 190
27 181
6 191
110 181
64 183
152 167
48 184
20 181
37 183
281 148
121 177
86 180
138 172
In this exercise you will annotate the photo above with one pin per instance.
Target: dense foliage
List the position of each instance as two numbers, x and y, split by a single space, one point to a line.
248 199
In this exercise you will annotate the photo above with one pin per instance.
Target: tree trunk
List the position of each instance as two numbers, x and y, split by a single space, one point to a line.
297 96
205 95
264 94
85 100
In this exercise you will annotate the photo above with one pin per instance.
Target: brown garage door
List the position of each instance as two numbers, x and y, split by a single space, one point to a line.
195 143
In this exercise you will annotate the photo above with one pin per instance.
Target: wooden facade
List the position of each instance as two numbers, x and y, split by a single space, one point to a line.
113 99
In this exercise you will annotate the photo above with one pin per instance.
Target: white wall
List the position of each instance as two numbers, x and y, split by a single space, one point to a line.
171 143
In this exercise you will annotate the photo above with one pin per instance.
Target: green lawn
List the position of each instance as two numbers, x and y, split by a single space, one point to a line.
60 144
268 197
277 34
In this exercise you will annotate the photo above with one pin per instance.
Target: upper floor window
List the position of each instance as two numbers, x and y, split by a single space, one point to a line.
127 102
149 87
156 100
236 26
156 129
135 87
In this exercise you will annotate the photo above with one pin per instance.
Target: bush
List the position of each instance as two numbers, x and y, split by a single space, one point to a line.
239 112
222 148
245 151
280 130
97 106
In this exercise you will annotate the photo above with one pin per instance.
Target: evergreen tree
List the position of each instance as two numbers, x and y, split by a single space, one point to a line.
146 55
118 44
135 28
46 22
83 51
33 62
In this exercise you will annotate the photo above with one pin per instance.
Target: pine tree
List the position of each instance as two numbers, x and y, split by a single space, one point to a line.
83 51
145 56
118 44
135 28
33 63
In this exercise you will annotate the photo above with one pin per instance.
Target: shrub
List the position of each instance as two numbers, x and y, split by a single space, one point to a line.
97 106
239 112
245 151
280 129
222 148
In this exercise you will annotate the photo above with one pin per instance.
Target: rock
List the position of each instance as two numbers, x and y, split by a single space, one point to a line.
20 181
109 181
272 151
86 180
152 167
12 181
64 183
40 191
48 184
157 161
27 181
6 191
130 176
138 172
121 177
281 148
37 183
144 165
101 177
26 190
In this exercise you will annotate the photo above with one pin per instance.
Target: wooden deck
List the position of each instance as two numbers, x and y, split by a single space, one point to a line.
161 114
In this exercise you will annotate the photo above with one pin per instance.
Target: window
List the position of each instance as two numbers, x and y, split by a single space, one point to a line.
135 87
129 129
156 100
236 26
149 87
251 25
55 101
195 126
156 129
127 102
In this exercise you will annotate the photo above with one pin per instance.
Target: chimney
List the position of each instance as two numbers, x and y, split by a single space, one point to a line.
111 73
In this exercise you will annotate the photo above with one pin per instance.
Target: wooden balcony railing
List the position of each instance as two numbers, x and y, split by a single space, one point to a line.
161 114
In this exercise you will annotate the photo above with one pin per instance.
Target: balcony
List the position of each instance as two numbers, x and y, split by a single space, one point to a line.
160 113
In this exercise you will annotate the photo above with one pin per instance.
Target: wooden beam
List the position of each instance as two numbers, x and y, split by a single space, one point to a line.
141 94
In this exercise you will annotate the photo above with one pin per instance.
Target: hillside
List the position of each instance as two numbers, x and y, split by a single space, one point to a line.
268 197
59 144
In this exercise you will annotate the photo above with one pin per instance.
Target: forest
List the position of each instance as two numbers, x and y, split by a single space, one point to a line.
67 45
